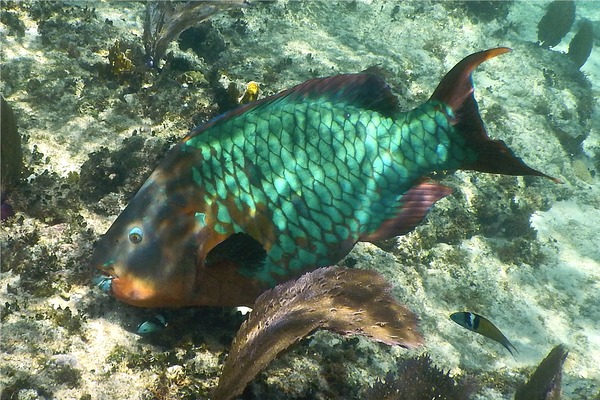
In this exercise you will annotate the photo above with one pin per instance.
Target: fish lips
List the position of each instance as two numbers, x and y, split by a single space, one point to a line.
104 282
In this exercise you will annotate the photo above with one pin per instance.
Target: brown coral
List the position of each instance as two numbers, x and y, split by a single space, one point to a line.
545 381
346 301
164 22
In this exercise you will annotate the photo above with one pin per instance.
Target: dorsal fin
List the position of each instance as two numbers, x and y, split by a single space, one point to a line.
360 90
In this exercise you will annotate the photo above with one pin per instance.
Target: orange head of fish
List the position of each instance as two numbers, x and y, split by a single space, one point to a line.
154 253
148 257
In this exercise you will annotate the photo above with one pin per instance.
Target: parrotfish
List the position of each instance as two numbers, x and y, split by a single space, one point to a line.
483 326
290 183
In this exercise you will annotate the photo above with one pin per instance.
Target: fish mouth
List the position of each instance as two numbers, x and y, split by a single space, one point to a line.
104 282
105 277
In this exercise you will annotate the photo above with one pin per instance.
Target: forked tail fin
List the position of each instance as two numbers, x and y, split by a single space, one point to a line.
456 90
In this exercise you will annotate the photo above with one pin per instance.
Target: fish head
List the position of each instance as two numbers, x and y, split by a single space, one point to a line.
148 257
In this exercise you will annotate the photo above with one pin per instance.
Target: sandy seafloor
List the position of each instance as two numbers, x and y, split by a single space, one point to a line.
523 252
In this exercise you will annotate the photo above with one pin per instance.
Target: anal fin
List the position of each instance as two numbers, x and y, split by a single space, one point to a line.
413 208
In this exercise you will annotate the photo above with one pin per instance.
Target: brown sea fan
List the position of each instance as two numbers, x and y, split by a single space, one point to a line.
346 301
165 20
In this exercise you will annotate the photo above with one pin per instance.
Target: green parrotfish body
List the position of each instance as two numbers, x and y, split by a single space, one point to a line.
289 183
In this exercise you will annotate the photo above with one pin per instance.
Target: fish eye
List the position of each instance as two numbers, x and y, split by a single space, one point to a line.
136 235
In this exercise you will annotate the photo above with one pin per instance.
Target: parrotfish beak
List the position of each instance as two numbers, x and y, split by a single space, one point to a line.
105 279
104 282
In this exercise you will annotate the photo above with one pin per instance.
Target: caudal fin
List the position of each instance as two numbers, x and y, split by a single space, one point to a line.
456 90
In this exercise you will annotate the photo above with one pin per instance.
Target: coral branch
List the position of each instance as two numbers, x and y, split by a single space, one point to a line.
545 381
164 22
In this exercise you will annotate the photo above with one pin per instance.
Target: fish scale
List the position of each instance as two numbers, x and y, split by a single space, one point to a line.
287 184
345 180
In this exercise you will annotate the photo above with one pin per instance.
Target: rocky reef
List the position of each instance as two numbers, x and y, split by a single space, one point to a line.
94 121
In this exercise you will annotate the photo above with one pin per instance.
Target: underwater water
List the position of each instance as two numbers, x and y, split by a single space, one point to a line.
95 120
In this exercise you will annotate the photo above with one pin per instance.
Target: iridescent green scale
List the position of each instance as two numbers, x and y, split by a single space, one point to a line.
325 171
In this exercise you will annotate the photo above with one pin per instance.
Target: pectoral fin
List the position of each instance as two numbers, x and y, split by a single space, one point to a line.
240 249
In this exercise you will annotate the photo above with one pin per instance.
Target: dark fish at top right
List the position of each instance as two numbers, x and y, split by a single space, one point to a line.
556 23
290 183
